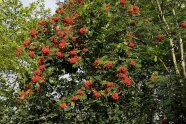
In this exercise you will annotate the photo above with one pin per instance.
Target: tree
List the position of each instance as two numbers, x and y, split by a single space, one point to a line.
115 53
15 20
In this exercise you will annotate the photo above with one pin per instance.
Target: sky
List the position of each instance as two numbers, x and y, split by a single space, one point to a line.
48 3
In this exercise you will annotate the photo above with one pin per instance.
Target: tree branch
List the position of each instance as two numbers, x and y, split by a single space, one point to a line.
170 38
164 65
181 47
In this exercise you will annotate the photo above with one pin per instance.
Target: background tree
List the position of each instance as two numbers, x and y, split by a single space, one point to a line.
15 20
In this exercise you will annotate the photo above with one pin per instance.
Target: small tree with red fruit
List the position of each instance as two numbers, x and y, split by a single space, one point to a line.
102 47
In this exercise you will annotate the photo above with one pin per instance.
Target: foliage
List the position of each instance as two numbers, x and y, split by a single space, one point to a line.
123 59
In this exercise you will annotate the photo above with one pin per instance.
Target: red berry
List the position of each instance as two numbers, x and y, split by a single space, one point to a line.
55 19
135 9
60 33
183 25
42 67
54 40
83 30
97 62
42 23
46 51
31 48
73 60
96 94
27 86
110 84
35 79
65 37
59 54
123 69
159 37
41 61
122 75
127 81
80 92
107 7
62 44
123 2
115 96
63 105
87 84
79 1
109 65
84 50
67 20
18 53
31 54
42 79
33 32
130 10
131 45
73 52
107 90
74 98
26 42
74 39
60 11
132 63
37 72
